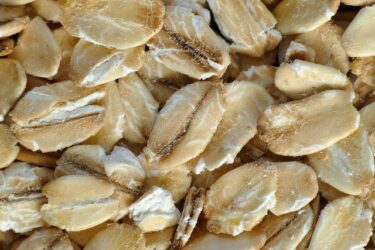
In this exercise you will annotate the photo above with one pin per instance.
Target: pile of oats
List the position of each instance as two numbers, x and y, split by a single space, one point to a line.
187 124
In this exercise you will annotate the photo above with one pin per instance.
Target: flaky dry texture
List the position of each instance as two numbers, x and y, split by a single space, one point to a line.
290 129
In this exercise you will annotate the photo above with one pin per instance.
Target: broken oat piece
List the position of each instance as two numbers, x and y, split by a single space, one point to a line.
91 64
118 237
196 7
344 223
48 9
357 38
47 238
21 197
12 84
6 46
8 146
244 102
309 125
193 207
37 50
368 121
159 240
185 125
326 42
348 165
188 45
51 117
113 23
301 78
140 109
363 67
71 209
256 34
154 210
249 193
299 16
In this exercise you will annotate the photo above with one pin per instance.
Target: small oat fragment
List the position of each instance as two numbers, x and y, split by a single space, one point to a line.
236 206
8 146
343 224
193 207
357 38
188 45
139 107
92 64
69 208
247 241
177 180
293 232
81 238
120 168
154 210
309 125
112 130
47 238
48 9
6 46
113 23
159 240
299 16
348 165
12 84
326 42
256 34
14 26
368 121
363 67
244 102
67 44
300 78
51 117
37 50
21 197
8 13
293 194
186 124
299 51
118 237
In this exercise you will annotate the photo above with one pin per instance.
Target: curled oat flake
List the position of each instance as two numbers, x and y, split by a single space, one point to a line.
48 9
368 121
179 124
8 13
299 51
188 45
256 34
36 158
290 129
14 26
292 15
301 78
196 7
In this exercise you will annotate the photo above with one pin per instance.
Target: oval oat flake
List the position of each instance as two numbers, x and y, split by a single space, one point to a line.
309 125
119 24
